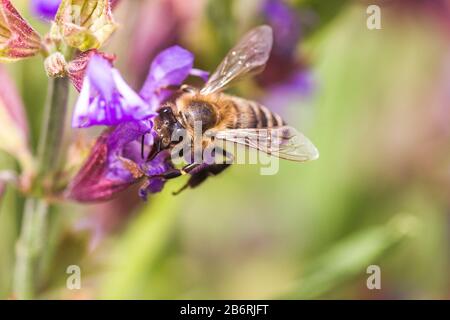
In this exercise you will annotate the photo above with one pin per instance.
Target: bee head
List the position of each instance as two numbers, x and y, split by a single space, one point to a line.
165 124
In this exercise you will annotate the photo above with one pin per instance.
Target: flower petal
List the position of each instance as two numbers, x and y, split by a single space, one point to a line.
200 73
100 76
170 67
90 184
152 185
124 142
106 99
76 69
81 110
158 166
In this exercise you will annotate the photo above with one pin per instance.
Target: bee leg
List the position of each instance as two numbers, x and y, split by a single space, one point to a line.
175 173
175 193
201 174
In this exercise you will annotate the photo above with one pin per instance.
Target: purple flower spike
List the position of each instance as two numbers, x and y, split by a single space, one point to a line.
45 9
169 68
106 99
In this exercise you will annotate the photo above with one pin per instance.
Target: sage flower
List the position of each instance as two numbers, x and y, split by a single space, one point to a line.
107 170
18 39
117 161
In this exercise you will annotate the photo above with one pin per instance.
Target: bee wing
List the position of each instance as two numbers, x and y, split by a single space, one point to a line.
283 142
249 56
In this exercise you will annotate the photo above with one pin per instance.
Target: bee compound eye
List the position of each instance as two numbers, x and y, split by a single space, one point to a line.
165 111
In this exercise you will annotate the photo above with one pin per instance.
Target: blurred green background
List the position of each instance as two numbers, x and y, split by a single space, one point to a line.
379 114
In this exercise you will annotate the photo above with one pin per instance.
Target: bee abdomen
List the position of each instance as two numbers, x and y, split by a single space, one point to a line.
251 114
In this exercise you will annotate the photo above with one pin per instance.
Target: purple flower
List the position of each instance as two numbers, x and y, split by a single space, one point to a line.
115 163
106 99
116 160
45 9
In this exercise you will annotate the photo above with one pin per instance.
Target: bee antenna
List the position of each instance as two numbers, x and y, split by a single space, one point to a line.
142 146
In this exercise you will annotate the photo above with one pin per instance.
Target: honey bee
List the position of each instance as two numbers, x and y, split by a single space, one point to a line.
229 118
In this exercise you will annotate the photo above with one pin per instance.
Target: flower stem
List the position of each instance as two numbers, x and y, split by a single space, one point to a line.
35 217
29 247
49 149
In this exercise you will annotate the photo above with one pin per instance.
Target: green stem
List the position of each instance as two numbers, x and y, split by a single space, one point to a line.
50 143
35 218
29 247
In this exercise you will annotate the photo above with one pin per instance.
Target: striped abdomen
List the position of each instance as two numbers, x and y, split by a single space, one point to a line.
250 114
